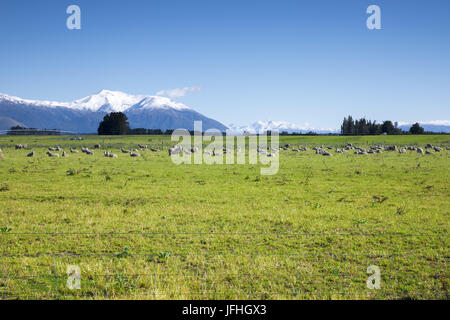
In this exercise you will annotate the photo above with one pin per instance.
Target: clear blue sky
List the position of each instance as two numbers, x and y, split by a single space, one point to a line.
297 61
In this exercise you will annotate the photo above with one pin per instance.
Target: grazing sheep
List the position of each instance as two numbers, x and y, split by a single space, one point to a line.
448 148
437 149
420 151
83 149
110 155
326 153
64 154
428 152
52 149
125 151
391 148
154 150
402 150
97 146
52 154
429 146
89 152
73 150
20 146
174 151
134 154
142 146
31 154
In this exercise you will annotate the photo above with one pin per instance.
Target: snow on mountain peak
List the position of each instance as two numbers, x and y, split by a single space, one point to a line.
280 126
157 102
106 101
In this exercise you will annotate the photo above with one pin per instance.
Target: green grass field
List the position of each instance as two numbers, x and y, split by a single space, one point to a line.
145 228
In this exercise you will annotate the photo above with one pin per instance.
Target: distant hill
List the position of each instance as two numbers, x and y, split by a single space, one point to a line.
433 126
6 123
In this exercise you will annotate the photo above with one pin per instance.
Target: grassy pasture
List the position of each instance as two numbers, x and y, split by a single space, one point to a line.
145 228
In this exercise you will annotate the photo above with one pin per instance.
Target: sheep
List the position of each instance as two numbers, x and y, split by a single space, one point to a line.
174 150
73 150
402 150
110 155
134 154
391 148
52 154
64 154
420 151
52 149
125 151
142 146
20 146
89 152
97 146
428 152
154 150
326 153
31 154
437 149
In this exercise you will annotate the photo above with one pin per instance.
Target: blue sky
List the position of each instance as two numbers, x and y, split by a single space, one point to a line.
299 61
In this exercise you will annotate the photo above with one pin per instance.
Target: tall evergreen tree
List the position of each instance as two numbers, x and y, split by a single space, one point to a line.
416 129
115 123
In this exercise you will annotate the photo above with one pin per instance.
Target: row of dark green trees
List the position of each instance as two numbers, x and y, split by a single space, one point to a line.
367 127
116 123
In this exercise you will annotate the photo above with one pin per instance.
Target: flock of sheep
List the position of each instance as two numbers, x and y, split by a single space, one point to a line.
53 151
270 152
370 150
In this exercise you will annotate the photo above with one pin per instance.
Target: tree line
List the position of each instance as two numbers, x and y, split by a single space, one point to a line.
116 123
367 127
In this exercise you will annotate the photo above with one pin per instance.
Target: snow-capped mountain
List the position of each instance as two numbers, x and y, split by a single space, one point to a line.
84 115
280 126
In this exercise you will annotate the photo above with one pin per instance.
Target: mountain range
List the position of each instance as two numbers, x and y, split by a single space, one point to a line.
84 115
280 126
143 111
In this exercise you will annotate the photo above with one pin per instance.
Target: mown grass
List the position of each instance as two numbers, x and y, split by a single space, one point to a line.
146 228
